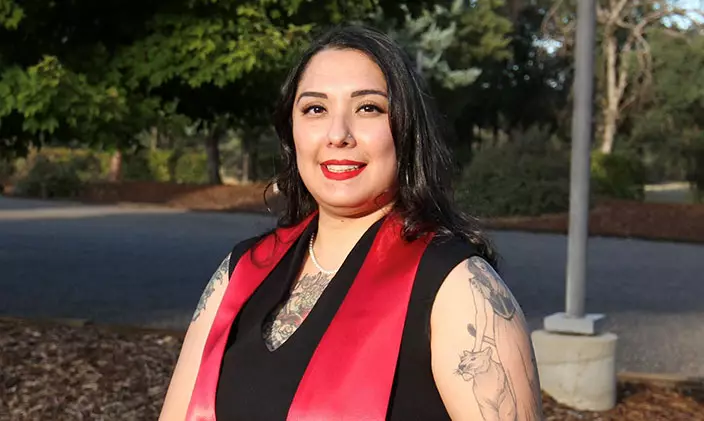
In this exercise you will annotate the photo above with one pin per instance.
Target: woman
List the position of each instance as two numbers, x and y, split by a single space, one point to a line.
370 300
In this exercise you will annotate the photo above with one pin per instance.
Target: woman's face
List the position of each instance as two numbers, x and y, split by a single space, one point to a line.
344 148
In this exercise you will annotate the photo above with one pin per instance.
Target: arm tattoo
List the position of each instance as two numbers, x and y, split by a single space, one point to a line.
494 387
485 279
218 278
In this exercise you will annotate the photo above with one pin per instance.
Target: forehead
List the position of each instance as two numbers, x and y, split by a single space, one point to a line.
341 70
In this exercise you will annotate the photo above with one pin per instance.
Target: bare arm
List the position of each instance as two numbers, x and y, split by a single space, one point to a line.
178 395
482 355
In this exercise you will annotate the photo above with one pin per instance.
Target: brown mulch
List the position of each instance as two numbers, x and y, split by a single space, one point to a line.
60 372
620 218
246 197
617 218
56 371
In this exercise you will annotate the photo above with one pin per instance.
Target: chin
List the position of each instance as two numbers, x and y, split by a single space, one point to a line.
352 206
345 204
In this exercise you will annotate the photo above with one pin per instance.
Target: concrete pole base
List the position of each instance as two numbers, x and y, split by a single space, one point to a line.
576 370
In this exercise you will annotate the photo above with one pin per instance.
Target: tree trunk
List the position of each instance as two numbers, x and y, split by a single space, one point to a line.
115 171
154 138
514 9
247 167
212 151
613 99
254 171
610 118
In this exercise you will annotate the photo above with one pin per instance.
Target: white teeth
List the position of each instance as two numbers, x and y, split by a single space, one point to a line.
342 168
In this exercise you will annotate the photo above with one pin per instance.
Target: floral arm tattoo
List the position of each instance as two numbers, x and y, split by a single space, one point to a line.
219 277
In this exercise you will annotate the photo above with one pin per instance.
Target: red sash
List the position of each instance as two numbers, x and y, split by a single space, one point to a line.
351 372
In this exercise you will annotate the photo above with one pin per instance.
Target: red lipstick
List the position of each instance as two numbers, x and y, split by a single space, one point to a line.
344 175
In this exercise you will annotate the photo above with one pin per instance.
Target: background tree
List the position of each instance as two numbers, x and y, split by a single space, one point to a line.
668 130
625 52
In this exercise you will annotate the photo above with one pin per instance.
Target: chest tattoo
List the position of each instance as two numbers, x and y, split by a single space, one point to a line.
284 321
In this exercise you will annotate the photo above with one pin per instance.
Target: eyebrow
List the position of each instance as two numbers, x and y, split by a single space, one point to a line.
354 94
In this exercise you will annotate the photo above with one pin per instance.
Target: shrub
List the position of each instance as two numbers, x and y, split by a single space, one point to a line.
528 177
695 166
618 176
86 163
89 166
164 166
47 178
7 170
159 164
192 167
135 167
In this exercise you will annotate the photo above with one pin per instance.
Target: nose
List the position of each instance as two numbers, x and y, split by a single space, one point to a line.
339 134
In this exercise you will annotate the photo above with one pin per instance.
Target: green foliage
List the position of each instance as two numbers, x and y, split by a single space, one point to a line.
152 165
61 172
64 79
667 127
7 170
617 175
214 49
192 167
55 103
86 164
695 166
10 14
165 166
48 178
525 178
448 39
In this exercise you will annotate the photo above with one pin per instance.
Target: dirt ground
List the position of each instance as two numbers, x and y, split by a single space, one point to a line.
657 221
60 372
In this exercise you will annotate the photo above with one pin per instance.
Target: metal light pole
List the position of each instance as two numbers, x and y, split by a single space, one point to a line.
574 319
576 359
581 142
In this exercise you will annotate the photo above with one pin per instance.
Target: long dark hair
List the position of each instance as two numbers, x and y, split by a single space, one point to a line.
424 199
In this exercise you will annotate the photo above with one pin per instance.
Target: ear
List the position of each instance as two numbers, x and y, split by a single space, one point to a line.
467 354
487 352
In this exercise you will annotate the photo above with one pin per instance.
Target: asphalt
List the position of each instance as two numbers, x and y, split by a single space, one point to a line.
147 266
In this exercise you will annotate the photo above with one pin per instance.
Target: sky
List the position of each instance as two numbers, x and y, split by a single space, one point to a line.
690 5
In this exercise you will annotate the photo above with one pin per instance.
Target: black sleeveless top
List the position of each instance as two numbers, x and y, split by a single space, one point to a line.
258 384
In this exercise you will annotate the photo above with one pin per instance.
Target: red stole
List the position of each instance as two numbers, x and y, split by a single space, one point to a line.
351 372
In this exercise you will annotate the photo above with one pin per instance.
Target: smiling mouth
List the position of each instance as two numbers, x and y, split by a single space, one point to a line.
338 169
342 170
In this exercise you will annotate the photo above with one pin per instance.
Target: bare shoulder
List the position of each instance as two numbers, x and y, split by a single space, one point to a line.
482 356
218 281
178 395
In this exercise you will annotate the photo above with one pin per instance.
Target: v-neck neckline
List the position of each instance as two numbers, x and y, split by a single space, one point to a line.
345 273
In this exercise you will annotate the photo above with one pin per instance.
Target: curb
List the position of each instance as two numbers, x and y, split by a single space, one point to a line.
665 380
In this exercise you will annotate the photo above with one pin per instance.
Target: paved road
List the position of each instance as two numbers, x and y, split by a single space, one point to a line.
148 266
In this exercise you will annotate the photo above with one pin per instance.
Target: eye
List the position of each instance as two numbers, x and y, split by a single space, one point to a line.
370 108
313 109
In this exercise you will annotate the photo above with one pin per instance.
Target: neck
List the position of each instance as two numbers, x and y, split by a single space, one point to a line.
338 235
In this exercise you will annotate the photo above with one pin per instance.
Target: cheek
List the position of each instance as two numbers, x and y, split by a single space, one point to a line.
380 142
304 142
385 150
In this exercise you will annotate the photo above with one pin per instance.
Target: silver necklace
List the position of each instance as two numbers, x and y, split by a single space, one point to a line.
315 261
